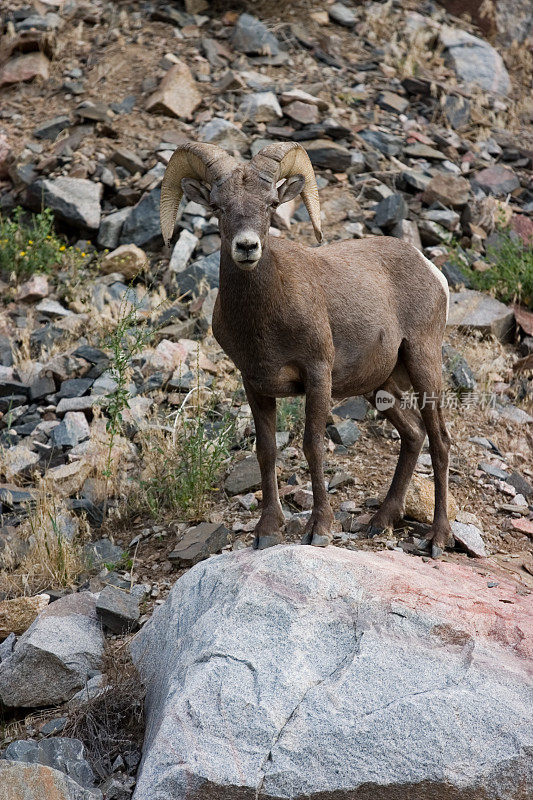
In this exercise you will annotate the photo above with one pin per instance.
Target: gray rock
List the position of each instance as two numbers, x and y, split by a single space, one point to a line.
390 211
296 672
6 647
73 429
342 15
386 143
183 250
64 754
444 217
514 414
390 101
142 226
75 404
475 61
198 543
260 107
205 269
461 375
75 201
345 432
41 386
101 552
476 310
328 155
521 485
19 781
251 36
118 610
54 658
455 276
497 180
457 111
74 387
52 308
494 472
93 688
352 408
470 537
225 134
51 128
111 228
245 475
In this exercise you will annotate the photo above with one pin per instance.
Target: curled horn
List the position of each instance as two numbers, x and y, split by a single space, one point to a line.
277 161
205 162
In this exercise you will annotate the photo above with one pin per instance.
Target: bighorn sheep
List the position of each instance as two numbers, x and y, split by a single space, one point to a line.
350 318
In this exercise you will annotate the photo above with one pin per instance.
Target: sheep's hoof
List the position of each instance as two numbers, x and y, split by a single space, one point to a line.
320 540
262 542
436 551
374 530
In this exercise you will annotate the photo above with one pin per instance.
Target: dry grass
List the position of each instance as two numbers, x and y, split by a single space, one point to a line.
53 559
112 723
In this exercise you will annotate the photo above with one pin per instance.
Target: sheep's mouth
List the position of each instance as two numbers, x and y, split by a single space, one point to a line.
247 264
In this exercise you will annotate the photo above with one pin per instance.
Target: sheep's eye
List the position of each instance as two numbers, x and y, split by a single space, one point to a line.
274 204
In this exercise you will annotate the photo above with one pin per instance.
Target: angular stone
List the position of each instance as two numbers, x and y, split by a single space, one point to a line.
19 460
390 211
420 150
345 432
251 36
457 111
475 61
101 552
52 308
245 475
24 68
177 94
450 190
471 309
118 610
127 159
431 233
386 143
71 431
183 250
445 218
461 375
203 270
75 201
352 408
128 259
470 537
393 102
81 404
342 15
55 656
142 226
225 134
17 615
36 782
260 107
302 112
311 692
420 500
521 485
198 543
33 289
111 228
52 127
498 180
74 387
325 154
60 753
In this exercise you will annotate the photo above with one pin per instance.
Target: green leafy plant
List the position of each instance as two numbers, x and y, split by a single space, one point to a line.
27 247
290 414
186 463
509 273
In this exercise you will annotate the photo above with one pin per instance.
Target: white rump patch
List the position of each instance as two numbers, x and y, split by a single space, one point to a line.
443 282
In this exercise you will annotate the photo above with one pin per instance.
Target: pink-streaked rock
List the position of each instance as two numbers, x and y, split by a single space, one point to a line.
177 95
523 525
24 68
36 288
328 673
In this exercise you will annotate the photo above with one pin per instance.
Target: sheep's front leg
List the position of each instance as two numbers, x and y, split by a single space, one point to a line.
267 530
317 402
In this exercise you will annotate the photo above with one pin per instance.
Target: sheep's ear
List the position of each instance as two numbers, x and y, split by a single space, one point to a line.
291 188
194 190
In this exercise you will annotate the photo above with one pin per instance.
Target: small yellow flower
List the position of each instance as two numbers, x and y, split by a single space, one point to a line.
62 247
22 253
84 254
30 241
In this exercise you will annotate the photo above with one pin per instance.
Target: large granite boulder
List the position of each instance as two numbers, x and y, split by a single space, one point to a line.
20 781
56 656
298 672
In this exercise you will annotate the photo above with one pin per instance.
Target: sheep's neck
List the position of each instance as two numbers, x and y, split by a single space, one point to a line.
242 293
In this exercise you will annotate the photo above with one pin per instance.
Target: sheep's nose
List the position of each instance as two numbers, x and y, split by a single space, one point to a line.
246 248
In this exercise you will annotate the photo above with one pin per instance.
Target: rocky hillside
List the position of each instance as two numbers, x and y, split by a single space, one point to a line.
126 444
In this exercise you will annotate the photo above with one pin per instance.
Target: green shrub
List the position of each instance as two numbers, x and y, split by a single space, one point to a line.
31 246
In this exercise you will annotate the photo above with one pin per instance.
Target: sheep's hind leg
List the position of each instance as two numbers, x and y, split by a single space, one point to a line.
267 531
424 365
317 401
408 423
